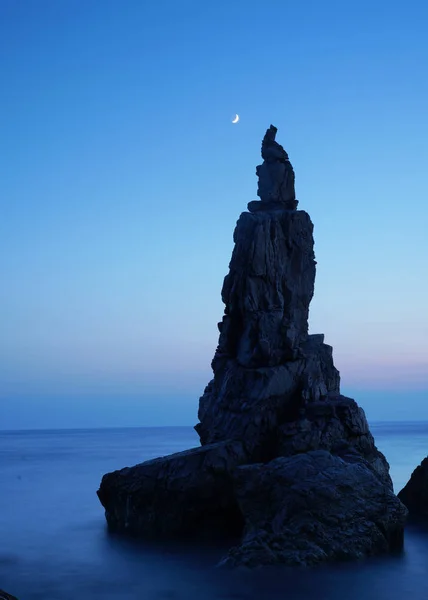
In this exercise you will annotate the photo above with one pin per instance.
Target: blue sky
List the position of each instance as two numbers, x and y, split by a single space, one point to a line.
122 177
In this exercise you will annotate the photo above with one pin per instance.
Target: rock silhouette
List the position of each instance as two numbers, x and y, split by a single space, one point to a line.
286 462
415 493
276 176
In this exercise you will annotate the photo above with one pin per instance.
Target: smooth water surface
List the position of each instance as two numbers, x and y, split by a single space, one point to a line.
54 543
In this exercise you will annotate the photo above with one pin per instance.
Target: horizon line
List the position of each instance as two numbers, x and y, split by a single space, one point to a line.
81 429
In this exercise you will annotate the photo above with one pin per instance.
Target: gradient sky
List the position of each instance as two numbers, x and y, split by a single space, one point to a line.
122 177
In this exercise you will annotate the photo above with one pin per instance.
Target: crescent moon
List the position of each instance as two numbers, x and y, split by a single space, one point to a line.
236 119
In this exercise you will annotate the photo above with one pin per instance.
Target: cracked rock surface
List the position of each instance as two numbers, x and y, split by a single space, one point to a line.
313 507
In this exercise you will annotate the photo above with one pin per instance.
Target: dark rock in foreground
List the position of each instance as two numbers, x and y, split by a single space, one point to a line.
311 508
286 461
5 596
415 493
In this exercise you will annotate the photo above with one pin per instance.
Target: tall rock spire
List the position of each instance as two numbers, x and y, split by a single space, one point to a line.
264 331
272 272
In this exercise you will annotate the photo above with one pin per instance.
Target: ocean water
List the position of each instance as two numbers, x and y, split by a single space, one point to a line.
54 544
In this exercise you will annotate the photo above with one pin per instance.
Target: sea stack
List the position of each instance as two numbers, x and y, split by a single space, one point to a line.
286 462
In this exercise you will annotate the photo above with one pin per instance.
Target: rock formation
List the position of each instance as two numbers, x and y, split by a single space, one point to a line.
415 493
286 462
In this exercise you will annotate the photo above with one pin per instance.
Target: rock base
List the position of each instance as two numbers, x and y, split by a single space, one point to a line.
313 508
288 465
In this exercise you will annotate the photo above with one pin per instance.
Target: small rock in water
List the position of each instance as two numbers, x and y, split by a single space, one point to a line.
415 493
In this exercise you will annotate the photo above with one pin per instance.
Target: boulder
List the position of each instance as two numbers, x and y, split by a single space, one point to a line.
312 508
182 494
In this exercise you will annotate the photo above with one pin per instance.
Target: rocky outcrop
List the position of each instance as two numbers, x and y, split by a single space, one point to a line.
285 460
415 493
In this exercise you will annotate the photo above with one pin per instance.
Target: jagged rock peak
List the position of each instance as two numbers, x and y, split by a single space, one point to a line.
271 150
276 177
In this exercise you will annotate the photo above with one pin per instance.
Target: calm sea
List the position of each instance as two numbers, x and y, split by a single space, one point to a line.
54 544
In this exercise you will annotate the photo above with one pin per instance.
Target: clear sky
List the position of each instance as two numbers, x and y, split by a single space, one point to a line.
122 177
